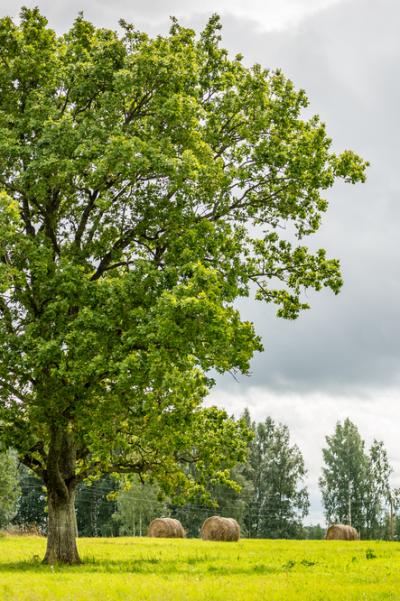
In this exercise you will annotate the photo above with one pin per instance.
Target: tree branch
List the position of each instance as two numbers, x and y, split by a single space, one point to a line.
26 216
85 216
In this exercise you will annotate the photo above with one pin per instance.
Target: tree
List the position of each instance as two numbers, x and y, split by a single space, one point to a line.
276 470
227 501
32 501
137 507
344 477
314 532
355 483
131 171
234 503
95 506
378 491
9 487
393 516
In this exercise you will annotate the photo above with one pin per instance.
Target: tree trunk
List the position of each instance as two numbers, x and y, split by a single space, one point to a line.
61 482
61 536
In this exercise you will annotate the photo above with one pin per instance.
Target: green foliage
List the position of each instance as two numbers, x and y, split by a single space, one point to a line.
344 477
378 491
226 501
9 487
95 505
276 471
31 501
355 484
136 507
144 184
235 503
314 532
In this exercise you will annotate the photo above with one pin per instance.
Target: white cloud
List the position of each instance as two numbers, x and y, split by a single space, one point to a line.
272 14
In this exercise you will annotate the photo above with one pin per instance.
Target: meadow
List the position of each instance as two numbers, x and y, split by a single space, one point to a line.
140 569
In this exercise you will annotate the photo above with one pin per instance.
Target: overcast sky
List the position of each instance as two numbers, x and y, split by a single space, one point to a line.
342 357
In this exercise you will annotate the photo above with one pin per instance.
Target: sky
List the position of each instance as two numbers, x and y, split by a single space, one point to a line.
340 359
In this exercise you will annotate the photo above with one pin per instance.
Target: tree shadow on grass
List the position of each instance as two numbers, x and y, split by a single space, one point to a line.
150 566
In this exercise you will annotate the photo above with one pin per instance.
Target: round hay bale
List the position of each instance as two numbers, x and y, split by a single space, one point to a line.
166 528
220 529
341 532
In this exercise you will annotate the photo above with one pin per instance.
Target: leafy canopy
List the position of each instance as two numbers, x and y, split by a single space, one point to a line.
9 487
144 186
276 470
355 484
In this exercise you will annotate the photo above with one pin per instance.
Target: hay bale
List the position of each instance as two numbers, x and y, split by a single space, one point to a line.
221 529
166 528
341 532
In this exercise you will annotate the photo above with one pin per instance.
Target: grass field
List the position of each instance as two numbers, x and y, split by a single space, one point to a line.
139 569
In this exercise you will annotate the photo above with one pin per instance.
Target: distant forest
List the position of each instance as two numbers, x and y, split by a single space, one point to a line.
270 499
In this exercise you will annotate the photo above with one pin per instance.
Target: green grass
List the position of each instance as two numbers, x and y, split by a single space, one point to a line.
139 569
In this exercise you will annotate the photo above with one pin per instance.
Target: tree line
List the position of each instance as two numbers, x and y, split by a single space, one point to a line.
269 499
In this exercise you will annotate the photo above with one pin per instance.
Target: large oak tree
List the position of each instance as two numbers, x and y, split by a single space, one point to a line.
144 184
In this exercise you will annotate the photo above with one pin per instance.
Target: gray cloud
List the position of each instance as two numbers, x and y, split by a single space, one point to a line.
267 14
347 66
341 358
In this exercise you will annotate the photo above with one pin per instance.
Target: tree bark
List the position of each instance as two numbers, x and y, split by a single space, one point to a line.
61 536
61 482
